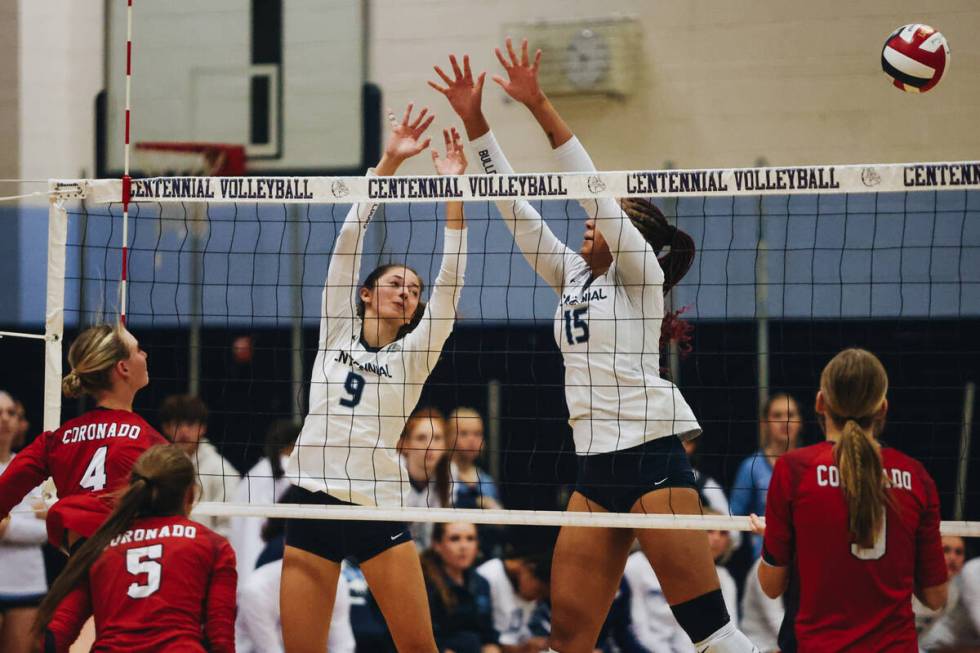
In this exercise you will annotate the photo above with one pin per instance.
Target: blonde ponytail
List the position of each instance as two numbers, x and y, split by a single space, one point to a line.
854 385
862 477
92 356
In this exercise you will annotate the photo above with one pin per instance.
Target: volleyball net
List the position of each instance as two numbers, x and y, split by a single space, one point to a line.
225 276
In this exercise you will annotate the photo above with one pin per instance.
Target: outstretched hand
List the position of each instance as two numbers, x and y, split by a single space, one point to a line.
405 140
522 75
455 161
465 94
758 524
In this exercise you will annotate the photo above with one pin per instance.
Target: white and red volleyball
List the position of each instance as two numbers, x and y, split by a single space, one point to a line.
915 57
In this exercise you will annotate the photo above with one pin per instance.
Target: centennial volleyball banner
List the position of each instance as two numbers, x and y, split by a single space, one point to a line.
542 186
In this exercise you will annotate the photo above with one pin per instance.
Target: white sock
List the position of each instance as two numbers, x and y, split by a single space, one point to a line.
727 639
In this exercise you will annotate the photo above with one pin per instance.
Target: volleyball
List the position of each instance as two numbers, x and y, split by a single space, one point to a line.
915 57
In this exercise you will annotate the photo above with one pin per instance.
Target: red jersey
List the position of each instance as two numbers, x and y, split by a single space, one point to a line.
853 599
88 457
165 584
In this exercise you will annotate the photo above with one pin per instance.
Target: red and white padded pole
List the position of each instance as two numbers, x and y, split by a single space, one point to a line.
127 182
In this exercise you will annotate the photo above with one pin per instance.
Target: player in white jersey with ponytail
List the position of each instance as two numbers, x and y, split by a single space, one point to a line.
627 421
378 344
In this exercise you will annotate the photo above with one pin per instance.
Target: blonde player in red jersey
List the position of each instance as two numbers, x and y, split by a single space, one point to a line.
153 579
89 457
858 521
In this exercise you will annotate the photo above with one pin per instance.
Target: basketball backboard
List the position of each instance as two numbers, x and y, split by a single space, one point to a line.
284 79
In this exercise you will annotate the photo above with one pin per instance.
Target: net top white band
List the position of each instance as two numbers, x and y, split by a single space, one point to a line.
720 182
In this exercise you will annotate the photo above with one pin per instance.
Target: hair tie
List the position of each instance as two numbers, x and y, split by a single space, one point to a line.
139 477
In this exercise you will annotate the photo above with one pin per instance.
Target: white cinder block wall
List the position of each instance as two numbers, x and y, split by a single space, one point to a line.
721 83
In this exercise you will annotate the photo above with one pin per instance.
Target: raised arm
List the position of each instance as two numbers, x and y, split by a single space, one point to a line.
339 302
440 313
547 255
25 472
636 262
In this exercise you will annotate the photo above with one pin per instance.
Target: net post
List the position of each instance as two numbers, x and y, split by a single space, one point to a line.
54 311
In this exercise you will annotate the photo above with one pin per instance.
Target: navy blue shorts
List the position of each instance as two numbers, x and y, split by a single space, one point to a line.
616 480
14 602
336 539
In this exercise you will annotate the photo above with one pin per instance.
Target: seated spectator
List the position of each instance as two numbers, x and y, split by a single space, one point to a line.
709 490
257 626
264 484
184 419
780 424
459 598
472 487
654 624
954 551
422 446
22 426
517 583
761 616
957 628
22 579
367 623
722 546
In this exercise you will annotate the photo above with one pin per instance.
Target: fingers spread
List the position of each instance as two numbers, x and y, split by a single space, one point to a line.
537 60
425 125
510 51
443 75
456 70
441 89
447 138
500 58
467 73
500 80
524 60
479 82
418 119
408 113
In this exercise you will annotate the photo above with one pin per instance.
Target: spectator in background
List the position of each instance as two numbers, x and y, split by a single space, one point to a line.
472 486
761 615
22 579
367 623
722 546
422 446
780 424
258 625
22 426
654 624
709 490
517 583
459 598
956 628
184 419
265 483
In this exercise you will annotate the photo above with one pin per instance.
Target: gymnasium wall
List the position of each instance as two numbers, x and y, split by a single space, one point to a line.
720 83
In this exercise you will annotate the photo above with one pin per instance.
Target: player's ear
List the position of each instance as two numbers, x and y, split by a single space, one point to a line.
882 410
820 407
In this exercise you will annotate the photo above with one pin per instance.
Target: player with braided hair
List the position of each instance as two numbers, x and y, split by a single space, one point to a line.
627 421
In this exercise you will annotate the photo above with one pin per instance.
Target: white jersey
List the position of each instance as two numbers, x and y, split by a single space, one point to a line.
607 327
258 487
653 622
21 559
360 396
959 626
511 613
761 615
258 625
